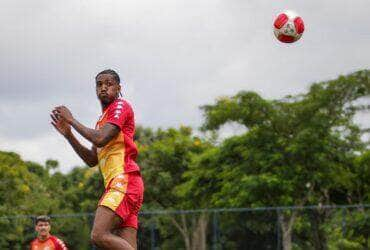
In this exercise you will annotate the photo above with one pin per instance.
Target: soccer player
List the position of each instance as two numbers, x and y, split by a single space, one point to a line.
116 218
44 240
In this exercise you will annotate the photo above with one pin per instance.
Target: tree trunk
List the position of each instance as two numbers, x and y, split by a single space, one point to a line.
199 238
286 224
287 241
196 237
183 229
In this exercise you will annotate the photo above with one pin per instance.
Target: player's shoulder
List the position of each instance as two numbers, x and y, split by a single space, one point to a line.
121 103
34 242
58 242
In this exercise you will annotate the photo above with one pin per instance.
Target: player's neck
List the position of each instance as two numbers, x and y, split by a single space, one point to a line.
43 237
104 106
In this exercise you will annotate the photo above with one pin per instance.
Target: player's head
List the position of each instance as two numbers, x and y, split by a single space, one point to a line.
108 86
42 226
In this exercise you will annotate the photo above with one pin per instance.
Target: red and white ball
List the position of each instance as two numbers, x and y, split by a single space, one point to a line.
288 27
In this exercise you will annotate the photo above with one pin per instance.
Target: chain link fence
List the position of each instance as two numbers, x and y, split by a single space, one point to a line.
310 227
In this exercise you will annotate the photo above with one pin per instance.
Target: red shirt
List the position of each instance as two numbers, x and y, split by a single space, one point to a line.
119 155
51 243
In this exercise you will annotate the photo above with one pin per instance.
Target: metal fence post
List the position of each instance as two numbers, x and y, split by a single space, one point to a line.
278 236
215 231
152 236
344 230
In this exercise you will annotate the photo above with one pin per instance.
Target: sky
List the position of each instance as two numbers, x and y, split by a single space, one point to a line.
173 57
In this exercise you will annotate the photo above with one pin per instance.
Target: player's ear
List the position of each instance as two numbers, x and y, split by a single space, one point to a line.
119 90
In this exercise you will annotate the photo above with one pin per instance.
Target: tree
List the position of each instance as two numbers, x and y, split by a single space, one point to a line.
163 162
296 151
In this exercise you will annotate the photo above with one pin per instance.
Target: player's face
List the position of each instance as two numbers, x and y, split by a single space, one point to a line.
43 228
107 89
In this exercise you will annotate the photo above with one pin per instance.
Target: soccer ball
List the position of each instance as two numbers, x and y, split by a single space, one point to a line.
288 27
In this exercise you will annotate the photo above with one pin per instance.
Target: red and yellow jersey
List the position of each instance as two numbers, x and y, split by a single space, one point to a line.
119 155
51 243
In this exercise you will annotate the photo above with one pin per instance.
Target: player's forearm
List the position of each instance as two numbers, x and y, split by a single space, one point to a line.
87 155
92 135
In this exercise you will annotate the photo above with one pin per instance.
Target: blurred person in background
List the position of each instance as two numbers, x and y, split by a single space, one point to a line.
44 240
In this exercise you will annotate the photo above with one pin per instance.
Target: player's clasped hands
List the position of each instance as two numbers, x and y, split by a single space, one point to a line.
64 113
61 119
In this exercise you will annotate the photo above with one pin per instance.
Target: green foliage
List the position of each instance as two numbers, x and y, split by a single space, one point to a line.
19 189
297 150
300 150
28 188
164 162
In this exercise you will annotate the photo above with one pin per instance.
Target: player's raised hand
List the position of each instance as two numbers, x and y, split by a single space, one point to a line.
60 124
64 113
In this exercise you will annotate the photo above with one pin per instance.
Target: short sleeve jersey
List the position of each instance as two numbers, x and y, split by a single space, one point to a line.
119 155
51 243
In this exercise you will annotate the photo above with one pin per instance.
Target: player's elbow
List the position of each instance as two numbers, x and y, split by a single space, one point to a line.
98 144
100 141
92 164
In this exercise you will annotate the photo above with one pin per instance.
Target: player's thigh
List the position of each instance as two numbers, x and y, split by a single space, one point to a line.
129 234
105 220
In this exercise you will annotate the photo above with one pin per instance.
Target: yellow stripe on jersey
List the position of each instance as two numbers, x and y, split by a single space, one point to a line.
112 199
116 192
111 166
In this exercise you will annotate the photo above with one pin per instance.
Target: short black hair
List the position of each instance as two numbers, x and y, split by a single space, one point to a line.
42 218
110 72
